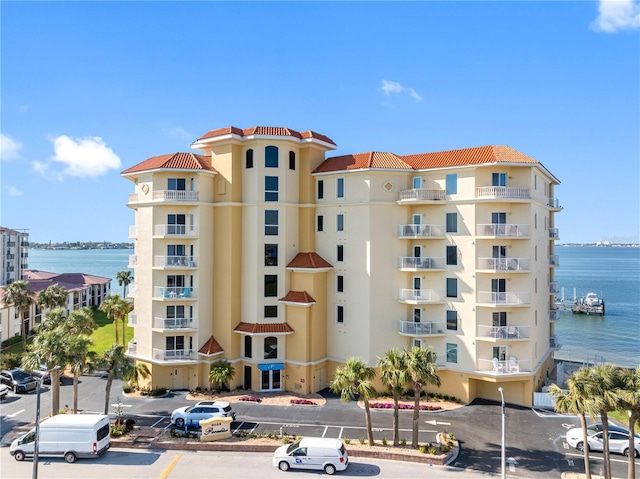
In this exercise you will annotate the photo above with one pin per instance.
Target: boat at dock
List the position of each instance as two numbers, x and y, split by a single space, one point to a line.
592 303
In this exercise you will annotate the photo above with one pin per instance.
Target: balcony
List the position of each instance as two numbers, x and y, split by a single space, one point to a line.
168 196
169 231
133 232
554 315
132 348
132 318
554 288
493 333
553 342
502 230
411 328
503 298
417 195
133 290
420 296
554 234
133 261
160 292
554 260
554 204
510 366
421 231
174 323
411 263
175 262
500 192
174 354
504 264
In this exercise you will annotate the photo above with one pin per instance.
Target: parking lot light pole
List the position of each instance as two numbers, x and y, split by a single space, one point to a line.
36 446
503 463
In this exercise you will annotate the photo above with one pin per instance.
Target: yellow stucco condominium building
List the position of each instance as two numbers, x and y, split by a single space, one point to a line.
262 251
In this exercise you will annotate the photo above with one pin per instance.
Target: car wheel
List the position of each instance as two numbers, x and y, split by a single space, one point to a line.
626 453
18 455
330 469
283 466
70 457
180 422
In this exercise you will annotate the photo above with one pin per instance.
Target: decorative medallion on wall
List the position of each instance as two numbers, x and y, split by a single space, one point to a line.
388 186
145 189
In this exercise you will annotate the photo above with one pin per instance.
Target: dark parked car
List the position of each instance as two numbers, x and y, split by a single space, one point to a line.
43 373
18 380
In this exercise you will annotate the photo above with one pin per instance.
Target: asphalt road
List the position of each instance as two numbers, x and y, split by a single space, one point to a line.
535 446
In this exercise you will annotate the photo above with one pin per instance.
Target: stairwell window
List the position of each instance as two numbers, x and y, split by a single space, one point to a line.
452 320
271 255
340 253
271 188
452 353
452 255
271 222
320 189
452 287
320 223
340 188
271 157
270 285
452 184
340 314
292 160
249 159
340 283
247 346
340 222
271 311
452 222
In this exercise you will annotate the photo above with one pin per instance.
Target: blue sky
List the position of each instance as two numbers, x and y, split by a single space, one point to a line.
91 88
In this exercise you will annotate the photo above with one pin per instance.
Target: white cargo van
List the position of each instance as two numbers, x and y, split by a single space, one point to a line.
70 436
325 454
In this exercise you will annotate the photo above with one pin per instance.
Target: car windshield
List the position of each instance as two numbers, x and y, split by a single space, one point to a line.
20 375
293 447
189 409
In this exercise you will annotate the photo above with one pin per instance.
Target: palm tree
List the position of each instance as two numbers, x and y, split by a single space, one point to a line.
18 295
80 360
126 308
422 369
573 402
124 279
355 377
117 308
81 322
221 372
53 297
115 363
630 396
133 372
52 320
394 375
49 348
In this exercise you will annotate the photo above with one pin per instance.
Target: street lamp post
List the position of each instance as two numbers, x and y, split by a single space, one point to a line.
503 462
36 446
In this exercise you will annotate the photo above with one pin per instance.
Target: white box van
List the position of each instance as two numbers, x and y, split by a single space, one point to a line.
70 436
325 454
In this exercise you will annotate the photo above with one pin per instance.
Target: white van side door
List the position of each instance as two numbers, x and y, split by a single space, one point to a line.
300 459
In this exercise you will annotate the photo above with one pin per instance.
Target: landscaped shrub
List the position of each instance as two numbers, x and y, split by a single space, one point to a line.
250 399
159 391
117 430
126 388
10 360
303 401
423 407
347 441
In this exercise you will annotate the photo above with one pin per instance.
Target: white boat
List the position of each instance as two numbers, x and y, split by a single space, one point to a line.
592 299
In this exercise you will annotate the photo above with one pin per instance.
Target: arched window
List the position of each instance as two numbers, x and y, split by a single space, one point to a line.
249 159
270 347
271 157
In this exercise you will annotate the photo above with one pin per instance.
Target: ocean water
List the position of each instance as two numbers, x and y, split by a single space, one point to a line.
613 273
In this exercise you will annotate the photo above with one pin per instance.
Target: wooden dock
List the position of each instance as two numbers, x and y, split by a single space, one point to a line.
578 307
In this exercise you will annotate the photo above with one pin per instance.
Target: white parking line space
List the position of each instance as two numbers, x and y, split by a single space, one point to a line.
545 413
16 413
597 458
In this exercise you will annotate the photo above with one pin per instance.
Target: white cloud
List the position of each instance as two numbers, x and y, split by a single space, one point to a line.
13 191
617 15
83 157
389 87
9 148
179 133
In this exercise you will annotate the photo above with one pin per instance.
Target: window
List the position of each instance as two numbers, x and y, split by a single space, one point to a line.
271 188
292 160
271 255
452 287
340 222
248 159
270 285
271 311
498 179
340 252
340 314
175 312
271 157
247 346
452 222
452 320
175 281
452 255
452 184
499 218
452 353
177 184
417 183
271 222
270 347
320 189
340 283
320 223
499 318
174 343
176 224
340 188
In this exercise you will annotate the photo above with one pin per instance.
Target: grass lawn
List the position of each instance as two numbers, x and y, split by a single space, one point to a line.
105 335
623 418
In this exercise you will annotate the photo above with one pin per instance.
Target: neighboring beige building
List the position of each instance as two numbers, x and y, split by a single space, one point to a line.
14 255
260 251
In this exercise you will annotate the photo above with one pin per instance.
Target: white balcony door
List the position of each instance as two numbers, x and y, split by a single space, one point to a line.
500 352
417 315
417 219
417 251
499 290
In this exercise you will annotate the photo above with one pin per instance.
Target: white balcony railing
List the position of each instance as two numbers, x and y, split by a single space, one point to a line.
175 195
133 198
421 194
503 230
502 192
132 318
173 354
420 231
174 323
133 232
510 366
175 261
554 315
504 264
175 292
555 203
504 332
421 329
421 295
554 260
553 342
132 347
554 233
133 261
190 231
506 298
423 263
554 288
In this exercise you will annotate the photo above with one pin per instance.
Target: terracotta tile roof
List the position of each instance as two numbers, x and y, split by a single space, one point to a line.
211 347
266 131
371 159
298 297
181 161
309 261
40 280
467 156
263 328
30 274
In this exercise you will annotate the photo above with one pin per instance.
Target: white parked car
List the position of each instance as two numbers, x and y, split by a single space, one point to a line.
318 453
618 439
4 390
192 415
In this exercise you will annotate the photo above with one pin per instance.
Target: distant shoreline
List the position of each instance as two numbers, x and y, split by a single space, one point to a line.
600 245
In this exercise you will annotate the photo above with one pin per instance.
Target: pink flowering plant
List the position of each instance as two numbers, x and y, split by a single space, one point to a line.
303 401
250 398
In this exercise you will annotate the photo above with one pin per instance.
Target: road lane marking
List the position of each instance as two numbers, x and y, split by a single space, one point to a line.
157 422
323 434
170 467
16 413
591 458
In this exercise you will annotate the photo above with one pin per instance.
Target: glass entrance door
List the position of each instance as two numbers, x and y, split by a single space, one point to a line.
270 380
